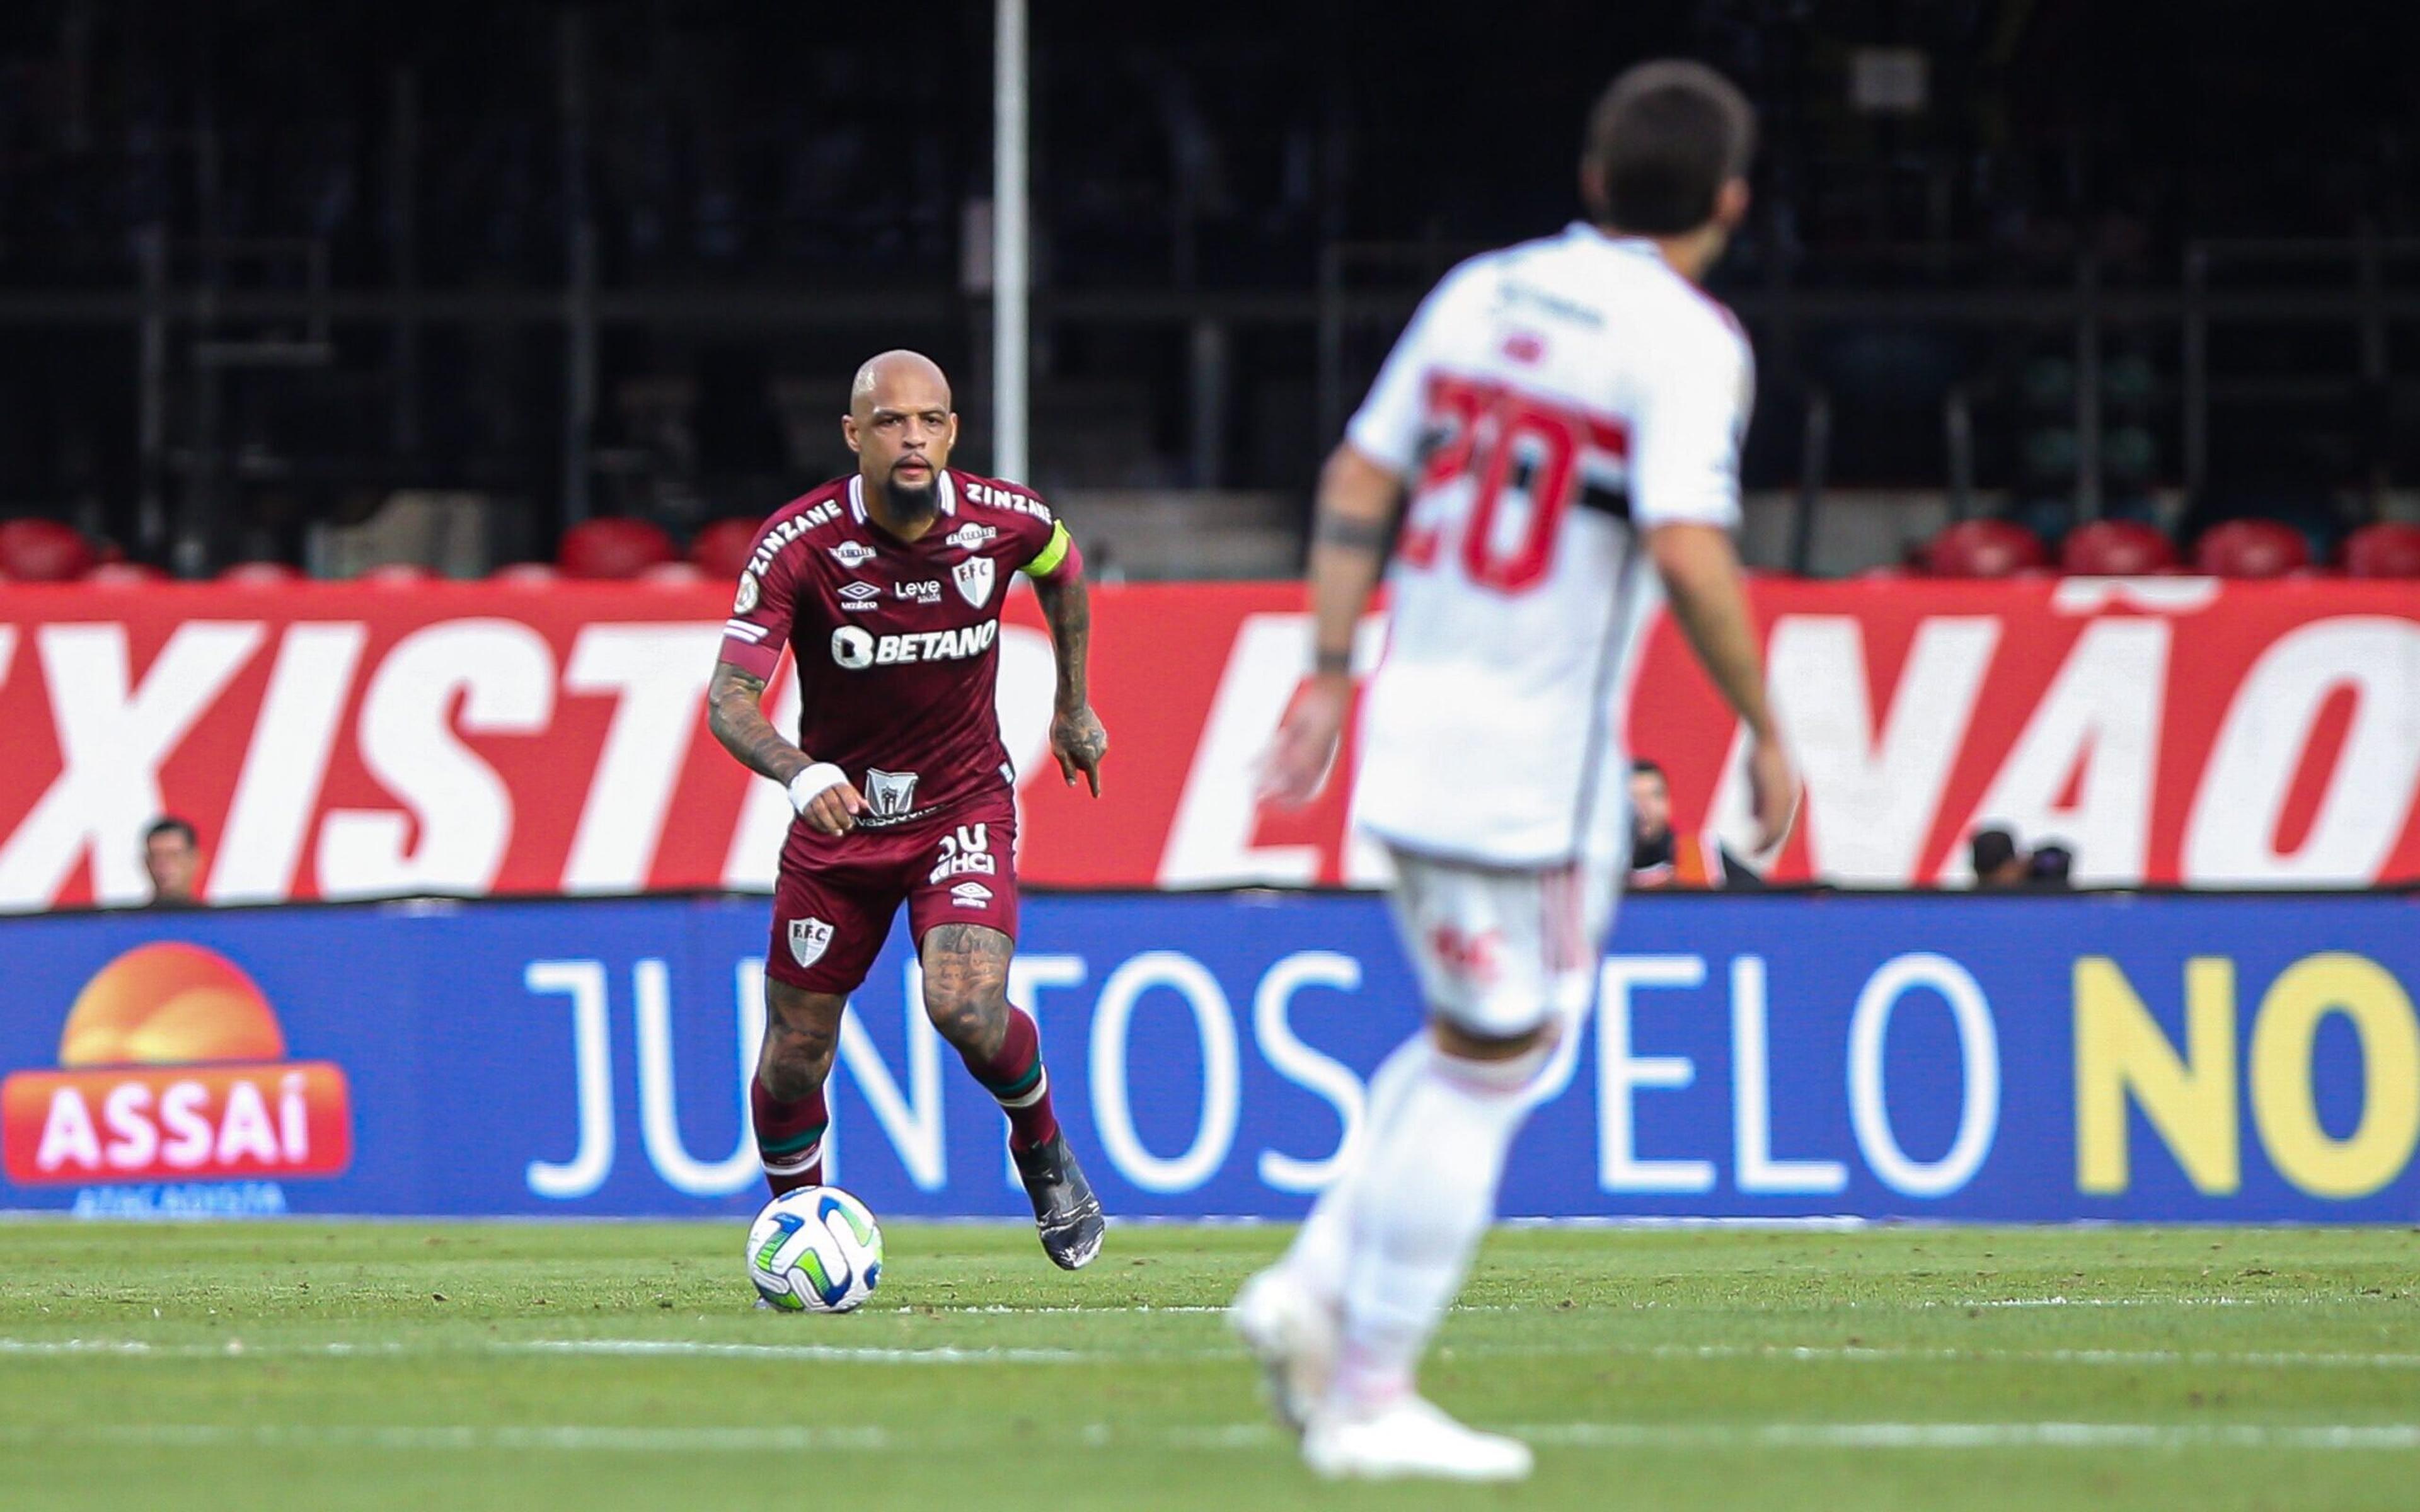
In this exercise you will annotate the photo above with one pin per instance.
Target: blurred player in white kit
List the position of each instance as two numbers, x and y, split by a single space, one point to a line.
1558 417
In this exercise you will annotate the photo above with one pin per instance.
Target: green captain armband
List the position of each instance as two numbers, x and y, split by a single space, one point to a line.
1053 552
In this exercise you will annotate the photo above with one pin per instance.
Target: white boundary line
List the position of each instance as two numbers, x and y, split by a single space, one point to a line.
2297 1438
236 1348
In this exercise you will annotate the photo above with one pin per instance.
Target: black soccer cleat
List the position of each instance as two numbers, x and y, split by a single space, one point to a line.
1064 1207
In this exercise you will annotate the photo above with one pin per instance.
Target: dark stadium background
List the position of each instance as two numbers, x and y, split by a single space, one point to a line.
264 265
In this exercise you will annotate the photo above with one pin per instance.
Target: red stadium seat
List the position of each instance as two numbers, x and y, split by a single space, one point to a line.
1984 548
526 574
722 549
673 574
612 548
44 551
124 575
2115 549
2387 549
261 575
2251 548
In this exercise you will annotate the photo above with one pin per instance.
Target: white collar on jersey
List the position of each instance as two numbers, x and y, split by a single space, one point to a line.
1597 236
857 496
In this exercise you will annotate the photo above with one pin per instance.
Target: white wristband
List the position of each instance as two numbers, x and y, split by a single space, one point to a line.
820 778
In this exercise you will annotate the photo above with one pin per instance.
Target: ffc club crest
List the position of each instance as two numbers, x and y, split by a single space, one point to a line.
974 576
889 794
809 939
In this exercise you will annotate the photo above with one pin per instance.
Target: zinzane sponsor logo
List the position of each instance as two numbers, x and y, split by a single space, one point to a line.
788 530
857 649
999 497
247 1114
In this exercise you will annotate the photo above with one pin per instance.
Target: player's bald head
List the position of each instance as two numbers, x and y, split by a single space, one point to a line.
897 380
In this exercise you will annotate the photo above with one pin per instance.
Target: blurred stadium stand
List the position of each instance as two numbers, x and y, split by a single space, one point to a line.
279 284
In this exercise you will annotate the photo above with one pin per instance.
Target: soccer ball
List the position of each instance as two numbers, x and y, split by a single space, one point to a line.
814 1250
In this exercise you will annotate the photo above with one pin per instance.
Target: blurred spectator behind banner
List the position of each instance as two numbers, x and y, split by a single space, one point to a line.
172 854
1659 857
1999 860
2049 866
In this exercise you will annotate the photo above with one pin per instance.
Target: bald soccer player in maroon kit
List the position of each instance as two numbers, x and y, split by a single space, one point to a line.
888 586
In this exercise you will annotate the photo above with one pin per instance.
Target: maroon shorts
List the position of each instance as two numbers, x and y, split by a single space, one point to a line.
836 894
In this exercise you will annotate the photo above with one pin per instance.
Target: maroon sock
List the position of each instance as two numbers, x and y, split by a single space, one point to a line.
1018 1083
789 1137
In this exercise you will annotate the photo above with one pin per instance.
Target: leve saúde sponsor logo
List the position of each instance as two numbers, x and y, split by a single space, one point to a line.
173 1067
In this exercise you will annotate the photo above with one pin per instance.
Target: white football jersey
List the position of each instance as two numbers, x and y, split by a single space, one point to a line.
1548 403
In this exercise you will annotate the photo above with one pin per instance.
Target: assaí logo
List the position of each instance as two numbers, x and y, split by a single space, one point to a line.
173 1067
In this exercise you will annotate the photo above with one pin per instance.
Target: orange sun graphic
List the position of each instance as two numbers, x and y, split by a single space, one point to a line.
169 1003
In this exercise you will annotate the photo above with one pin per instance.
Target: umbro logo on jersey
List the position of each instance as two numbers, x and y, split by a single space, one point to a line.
852 553
969 535
859 595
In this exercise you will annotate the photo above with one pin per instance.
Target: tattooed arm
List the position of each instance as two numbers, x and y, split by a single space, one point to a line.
1358 500
1076 737
734 711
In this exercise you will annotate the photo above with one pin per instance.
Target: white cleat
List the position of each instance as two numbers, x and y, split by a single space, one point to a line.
1409 1437
1293 1334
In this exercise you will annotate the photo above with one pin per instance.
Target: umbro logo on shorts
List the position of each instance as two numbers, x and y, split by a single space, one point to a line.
809 939
971 895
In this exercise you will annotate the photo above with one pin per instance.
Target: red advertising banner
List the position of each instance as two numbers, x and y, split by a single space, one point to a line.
334 741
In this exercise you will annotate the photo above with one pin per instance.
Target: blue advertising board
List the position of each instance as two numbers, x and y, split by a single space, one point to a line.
2010 1058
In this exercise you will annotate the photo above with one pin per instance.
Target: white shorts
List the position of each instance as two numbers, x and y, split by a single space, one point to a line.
1500 951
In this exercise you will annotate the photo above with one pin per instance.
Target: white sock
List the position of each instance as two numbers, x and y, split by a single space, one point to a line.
1425 1198
1323 1246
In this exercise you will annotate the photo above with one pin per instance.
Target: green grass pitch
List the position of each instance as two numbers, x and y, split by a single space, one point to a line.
606 1365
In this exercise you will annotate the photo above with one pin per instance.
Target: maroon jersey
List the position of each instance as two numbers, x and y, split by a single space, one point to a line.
896 642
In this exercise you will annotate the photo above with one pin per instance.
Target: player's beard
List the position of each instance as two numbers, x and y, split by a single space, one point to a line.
914 505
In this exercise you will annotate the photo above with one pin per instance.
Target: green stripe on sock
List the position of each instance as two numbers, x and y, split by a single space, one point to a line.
1018 1088
792 1146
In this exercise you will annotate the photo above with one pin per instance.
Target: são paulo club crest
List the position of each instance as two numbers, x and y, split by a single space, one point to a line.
973 577
809 939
